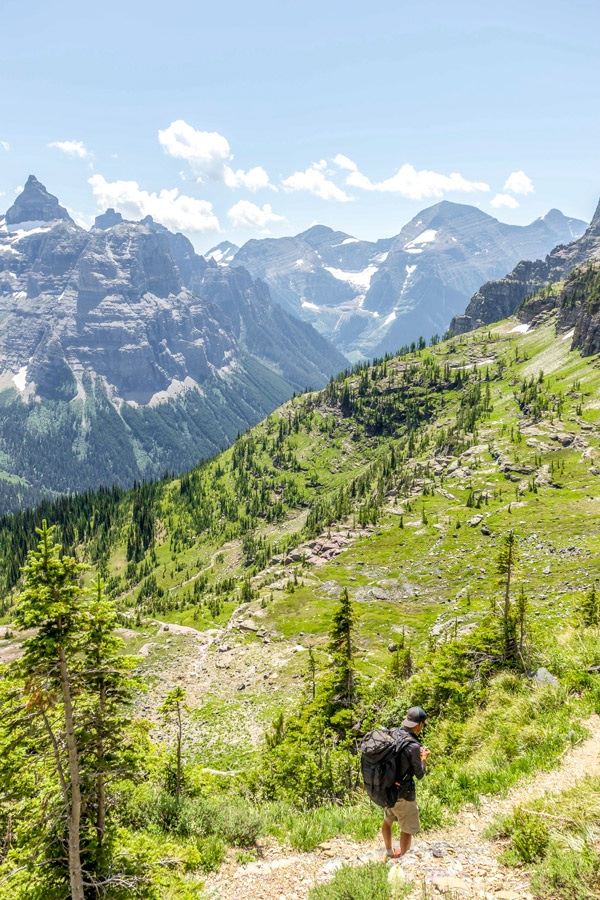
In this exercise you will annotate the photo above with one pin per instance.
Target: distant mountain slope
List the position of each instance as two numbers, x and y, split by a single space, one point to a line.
498 299
123 353
373 297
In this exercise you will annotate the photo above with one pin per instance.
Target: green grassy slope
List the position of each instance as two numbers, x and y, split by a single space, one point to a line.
401 464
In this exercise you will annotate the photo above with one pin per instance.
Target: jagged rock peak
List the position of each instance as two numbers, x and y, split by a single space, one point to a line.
35 204
108 219
223 254
595 223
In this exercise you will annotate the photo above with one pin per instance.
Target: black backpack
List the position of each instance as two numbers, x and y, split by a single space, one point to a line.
379 755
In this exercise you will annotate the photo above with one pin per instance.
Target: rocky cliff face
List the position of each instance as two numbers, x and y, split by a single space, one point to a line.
579 307
372 297
499 299
128 353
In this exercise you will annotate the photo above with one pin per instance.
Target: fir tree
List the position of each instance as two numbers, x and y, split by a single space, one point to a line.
65 710
341 646
172 709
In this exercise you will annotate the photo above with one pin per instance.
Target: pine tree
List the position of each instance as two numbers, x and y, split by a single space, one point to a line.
53 604
105 751
172 708
590 607
66 709
341 647
508 557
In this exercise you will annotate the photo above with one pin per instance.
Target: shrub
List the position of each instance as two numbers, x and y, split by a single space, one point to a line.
238 823
529 836
211 851
368 882
568 874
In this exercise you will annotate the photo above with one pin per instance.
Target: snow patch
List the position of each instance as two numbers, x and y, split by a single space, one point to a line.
361 280
389 319
221 257
307 305
175 389
20 379
22 229
299 263
521 329
426 237
410 270
350 241
382 256
568 335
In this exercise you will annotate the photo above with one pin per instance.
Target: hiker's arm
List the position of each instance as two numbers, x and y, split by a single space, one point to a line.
418 764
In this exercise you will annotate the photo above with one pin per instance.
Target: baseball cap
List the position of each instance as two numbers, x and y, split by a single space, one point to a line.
414 717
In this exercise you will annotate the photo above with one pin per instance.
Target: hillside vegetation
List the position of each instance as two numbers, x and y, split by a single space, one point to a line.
380 510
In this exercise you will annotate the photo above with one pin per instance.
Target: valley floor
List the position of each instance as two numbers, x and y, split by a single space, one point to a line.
457 862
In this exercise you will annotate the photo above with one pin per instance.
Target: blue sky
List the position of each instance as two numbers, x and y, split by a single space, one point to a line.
236 120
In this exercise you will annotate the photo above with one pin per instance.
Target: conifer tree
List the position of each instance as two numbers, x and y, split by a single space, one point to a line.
590 607
341 647
53 604
173 707
508 557
67 703
106 753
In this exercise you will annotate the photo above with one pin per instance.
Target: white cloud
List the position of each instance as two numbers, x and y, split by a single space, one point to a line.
254 179
504 201
169 207
414 185
207 153
74 149
248 215
344 163
5 145
519 183
314 181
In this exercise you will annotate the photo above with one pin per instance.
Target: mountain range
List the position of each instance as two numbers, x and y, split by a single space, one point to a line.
370 298
501 298
124 354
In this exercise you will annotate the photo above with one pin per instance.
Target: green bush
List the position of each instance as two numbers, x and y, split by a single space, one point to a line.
529 836
233 821
212 852
568 874
238 823
368 882
306 829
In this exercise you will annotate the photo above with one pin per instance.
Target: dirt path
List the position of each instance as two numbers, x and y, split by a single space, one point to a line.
456 862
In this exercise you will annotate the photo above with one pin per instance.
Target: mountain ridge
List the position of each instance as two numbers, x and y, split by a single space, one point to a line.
498 299
110 330
370 298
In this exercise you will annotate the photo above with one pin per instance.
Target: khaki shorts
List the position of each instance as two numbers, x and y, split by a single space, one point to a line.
406 813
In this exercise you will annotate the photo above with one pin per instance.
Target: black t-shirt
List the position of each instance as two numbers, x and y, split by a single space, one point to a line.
409 765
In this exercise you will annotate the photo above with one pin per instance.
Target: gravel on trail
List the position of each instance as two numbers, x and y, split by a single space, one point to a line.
455 862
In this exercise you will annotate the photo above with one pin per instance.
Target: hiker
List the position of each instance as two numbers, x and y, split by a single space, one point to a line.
410 764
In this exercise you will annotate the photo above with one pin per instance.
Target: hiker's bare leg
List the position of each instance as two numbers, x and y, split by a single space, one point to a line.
405 842
386 831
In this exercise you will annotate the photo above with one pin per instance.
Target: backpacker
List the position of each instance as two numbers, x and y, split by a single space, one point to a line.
379 754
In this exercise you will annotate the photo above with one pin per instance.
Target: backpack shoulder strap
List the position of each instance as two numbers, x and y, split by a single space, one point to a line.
403 740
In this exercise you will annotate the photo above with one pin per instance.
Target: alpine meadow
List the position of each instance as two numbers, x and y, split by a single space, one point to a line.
189 666
299 450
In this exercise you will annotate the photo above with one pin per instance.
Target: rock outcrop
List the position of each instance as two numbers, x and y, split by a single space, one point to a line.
501 298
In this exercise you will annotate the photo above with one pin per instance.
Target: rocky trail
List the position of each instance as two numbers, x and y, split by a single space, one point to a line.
457 862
